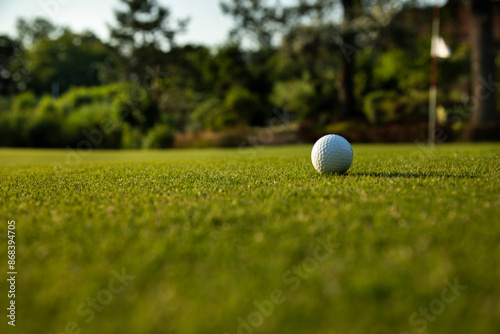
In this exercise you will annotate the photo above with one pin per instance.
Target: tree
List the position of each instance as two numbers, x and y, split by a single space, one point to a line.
264 21
257 17
14 74
346 90
12 66
482 64
143 32
69 60
36 30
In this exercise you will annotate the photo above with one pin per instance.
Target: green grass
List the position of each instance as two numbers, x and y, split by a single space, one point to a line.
208 232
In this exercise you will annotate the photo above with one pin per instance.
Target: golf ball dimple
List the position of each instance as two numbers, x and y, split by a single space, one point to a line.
332 153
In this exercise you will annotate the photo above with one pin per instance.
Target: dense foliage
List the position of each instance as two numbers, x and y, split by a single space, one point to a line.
57 84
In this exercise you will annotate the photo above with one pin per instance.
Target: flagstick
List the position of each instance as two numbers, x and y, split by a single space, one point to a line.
433 85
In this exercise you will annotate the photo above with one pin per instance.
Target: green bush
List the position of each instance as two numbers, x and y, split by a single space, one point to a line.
344 126
24 102
5 103
175 104
160 136
80 96
45 131
13 128
214 115
75 98
131 136
96 124
47 106
415 104
297 96
135 106
380 106
402 70
243 103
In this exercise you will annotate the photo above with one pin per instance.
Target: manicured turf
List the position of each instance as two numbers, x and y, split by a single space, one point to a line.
254 241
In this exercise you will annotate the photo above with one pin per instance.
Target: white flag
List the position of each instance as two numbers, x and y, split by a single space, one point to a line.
439 48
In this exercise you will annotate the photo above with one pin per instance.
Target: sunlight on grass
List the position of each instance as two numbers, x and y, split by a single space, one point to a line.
209 234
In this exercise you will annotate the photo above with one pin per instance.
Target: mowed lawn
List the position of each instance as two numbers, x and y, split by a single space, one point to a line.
253 241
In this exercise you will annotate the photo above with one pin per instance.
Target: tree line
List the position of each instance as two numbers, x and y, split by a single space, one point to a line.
338 66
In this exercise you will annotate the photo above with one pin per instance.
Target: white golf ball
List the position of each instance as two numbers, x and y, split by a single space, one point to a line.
332 153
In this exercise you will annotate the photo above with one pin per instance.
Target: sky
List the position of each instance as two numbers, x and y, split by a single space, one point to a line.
208 25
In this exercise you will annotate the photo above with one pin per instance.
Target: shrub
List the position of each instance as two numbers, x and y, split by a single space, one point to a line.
415 105
134 105
160 136
13 129
95 124
175 104
24 101
75 98
234 137
341 127
80 96
298 96
5 103
242 102
45 131
213 114
131 136
47 106
402 70
380 106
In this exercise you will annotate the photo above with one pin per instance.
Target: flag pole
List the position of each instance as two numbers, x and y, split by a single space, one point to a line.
433 83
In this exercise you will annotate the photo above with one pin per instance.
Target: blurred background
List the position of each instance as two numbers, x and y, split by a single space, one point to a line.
202 73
